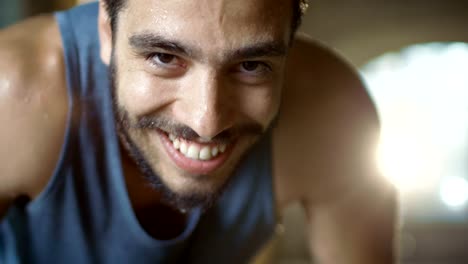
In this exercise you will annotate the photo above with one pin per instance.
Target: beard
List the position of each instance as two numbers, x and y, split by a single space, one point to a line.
182 201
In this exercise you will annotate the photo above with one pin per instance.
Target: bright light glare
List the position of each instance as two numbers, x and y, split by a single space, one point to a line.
454 192
405 163
421 95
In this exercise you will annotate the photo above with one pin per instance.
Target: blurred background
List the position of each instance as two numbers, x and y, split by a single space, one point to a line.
413 57
414 60
13 10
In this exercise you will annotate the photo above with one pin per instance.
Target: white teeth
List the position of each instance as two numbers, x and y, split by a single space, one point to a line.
214 151
193 152
222 148
196 151
176 143
172 137
183 148
205 153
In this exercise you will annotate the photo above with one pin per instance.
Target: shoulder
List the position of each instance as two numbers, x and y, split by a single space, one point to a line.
315 72
33 104
327 129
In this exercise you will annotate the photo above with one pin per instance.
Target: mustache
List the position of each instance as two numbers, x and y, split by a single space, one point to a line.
183 131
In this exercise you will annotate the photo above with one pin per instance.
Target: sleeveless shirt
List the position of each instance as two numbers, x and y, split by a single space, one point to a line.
84 214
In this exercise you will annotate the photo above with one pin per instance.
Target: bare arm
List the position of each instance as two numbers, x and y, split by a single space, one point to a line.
324 157
33 107
355 228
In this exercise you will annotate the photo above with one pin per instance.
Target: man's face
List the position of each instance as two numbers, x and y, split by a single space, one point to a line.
197 82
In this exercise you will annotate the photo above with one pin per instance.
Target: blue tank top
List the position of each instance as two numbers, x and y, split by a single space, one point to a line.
84 215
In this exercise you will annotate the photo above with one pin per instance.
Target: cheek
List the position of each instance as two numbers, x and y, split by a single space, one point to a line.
261 105
140 93
132 89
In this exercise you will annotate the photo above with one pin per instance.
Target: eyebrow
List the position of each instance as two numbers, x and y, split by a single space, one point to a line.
148 42
261 49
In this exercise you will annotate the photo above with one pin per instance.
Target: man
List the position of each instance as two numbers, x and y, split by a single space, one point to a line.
184 154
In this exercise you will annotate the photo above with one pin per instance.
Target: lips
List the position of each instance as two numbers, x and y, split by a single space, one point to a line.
195 157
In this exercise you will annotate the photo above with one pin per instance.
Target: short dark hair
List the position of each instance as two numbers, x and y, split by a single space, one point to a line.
114 6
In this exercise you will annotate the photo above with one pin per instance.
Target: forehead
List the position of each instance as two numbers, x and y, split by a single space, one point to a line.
213 23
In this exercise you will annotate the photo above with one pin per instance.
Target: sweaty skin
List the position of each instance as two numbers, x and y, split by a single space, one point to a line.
323 142
33 106
202 84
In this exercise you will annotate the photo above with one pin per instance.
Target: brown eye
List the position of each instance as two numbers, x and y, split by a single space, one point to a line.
250 66
163 58
254 72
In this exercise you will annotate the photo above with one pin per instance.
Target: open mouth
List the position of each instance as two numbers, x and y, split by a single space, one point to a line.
193 156
196 150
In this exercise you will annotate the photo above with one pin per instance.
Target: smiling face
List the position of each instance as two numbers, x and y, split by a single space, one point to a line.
197 82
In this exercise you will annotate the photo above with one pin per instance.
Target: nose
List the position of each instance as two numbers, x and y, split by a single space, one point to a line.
207 104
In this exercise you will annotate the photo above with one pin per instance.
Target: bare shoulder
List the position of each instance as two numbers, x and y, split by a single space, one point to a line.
33 105
327 128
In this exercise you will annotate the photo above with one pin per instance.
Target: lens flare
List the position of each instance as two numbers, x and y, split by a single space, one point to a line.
421 95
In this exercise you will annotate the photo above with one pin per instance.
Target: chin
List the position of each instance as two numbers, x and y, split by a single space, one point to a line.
186 190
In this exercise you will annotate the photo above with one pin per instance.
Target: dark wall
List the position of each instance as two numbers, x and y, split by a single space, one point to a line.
12 11
363 29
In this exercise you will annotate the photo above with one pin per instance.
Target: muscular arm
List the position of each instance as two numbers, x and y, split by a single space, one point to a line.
33 107
355 227
324 157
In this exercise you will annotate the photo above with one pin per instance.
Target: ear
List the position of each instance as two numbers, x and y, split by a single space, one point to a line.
105 33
